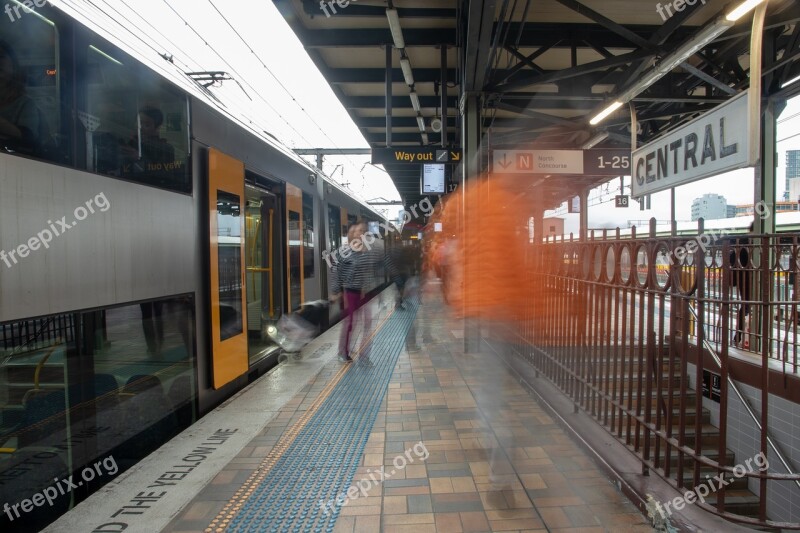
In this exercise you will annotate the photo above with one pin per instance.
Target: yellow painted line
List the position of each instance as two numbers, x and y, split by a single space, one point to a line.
220 523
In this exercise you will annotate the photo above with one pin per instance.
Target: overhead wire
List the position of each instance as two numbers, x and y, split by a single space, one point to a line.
280 83
234 71
79 7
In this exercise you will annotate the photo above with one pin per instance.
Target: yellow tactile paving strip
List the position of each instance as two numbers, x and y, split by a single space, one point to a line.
223 519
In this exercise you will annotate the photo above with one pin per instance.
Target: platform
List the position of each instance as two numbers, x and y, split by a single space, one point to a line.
430 439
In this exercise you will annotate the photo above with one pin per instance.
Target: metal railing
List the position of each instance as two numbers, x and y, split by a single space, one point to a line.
619 323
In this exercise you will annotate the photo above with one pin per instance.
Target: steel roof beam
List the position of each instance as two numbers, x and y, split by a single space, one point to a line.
534 35
311 7
607 23
398 102
603 64
378 75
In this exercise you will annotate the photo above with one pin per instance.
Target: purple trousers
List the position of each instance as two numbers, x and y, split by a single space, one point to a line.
353 302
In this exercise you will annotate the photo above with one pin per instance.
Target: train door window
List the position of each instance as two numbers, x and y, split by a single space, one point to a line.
230 264
30 75
334 229
135 124
261 255
294 235
308 236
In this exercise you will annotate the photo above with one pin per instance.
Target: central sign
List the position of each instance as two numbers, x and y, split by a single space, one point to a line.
415 155
716 142
598 162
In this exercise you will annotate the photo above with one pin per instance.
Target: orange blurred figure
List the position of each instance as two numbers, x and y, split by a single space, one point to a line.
483 265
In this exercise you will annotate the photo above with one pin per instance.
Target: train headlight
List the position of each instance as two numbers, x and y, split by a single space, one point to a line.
272 331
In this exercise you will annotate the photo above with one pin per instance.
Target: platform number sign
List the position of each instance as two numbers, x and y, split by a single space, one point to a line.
621 200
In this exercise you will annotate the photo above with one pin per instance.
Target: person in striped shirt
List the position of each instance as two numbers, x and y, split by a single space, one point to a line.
358 268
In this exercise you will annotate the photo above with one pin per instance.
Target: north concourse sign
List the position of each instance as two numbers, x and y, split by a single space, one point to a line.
596 162
716 142
416 155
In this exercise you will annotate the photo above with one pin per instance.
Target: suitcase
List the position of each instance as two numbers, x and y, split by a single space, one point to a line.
293 331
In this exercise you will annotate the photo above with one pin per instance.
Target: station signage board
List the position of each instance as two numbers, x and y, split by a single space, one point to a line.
621 200
716 142
596 162
433 179
416 155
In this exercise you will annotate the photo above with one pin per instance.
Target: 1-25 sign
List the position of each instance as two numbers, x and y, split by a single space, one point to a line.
616 162
607 162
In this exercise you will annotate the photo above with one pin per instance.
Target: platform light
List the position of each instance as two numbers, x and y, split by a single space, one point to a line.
740 11
405 65
421 123
394 27
787 83
605 112
414 100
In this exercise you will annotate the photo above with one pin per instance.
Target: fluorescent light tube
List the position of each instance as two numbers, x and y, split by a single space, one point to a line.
405 65
414 101
394 26
604 113
793 80
424 138
740 11
421 123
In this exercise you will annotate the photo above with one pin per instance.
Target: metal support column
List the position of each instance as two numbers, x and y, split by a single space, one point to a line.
470 144
388 95
584 230
443 105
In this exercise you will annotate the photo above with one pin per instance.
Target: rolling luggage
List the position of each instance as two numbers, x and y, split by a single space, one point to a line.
295 330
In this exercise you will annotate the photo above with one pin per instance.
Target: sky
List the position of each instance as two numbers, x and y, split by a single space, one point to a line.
281 91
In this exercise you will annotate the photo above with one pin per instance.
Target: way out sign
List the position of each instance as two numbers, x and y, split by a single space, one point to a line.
716 142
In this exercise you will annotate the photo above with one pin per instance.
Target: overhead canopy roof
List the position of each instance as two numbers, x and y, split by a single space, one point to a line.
543 67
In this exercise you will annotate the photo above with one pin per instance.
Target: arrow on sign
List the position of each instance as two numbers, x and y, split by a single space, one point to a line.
505 163
455 156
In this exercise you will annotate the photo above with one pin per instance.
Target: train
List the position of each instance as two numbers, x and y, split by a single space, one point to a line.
148 241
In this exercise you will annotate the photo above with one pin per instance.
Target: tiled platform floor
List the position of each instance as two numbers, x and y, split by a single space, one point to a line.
495 460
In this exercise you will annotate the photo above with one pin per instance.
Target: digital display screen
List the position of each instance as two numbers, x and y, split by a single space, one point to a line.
433 179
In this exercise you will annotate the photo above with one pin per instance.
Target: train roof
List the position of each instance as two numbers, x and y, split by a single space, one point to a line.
172 73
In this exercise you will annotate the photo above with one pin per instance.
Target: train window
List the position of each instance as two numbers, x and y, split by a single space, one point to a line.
230 264
334 229
135 124
30 84
308 236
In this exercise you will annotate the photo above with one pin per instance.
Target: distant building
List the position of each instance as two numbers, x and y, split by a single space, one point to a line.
731 211
792 166
709 207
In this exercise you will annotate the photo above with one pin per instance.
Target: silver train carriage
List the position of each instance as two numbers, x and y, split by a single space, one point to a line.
147 241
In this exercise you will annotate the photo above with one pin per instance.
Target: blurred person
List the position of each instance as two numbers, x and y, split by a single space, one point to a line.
359 263
23 127
487 265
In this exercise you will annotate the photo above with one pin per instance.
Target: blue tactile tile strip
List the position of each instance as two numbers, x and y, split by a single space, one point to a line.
300 492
